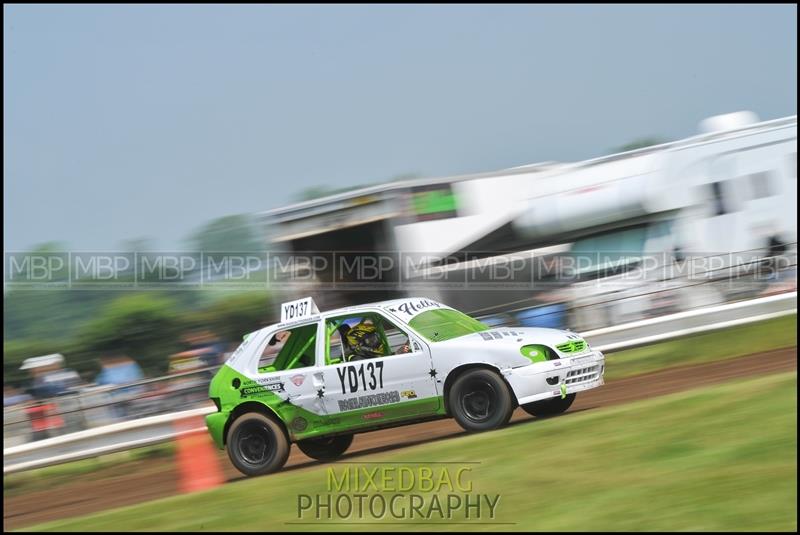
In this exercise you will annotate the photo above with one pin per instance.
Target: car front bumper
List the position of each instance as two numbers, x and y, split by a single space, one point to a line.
558 377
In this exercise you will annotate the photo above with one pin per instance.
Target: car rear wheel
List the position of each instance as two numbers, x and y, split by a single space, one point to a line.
325 448
257 444
549 407
480 400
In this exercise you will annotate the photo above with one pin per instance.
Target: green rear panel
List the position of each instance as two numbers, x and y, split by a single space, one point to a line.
299 422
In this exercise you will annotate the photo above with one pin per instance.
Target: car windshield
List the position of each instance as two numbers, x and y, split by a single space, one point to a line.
445 324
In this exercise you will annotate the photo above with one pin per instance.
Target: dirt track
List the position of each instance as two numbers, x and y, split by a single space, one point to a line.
150 479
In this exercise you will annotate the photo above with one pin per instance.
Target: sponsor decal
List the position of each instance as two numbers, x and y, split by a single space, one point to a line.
370 400
260 387
556 363
414 307
486 336
270 383
299 424
372 415
250 391
297 380
409 394
497 336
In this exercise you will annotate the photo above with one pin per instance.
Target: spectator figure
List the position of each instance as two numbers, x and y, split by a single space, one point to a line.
50 379
204 351
776 247
203 346
774 261
781 274
14 396
117 370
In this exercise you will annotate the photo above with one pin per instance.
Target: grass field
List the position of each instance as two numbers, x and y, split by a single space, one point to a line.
720 458
723 344
109 464
727 343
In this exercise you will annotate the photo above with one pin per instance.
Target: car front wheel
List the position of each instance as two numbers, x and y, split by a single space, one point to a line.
549 407
480 400
257 444
325 448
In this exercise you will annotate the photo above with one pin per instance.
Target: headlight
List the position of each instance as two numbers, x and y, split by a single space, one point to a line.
536 353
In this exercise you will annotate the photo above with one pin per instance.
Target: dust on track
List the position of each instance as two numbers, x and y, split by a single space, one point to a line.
151 479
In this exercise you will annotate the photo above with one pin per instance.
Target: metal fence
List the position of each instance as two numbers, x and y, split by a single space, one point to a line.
98 406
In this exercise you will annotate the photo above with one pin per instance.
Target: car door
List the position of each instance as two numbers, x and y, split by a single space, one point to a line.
380 389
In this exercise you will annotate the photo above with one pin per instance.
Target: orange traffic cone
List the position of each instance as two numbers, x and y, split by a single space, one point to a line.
197 460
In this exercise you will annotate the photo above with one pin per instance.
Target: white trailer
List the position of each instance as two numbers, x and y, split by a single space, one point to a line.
728 193
730 189
721 191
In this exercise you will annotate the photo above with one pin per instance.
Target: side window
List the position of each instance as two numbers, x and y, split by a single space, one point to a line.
290 349
273 347
717 196
335 348
363 336
760 185
399 342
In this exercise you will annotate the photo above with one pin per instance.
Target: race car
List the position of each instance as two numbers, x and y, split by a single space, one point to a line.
316 379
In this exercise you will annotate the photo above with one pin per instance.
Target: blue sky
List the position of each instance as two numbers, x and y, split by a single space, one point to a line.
146 121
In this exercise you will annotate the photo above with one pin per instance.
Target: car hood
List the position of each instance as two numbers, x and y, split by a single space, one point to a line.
513 336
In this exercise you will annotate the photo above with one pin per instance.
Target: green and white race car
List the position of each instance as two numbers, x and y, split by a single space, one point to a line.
316 378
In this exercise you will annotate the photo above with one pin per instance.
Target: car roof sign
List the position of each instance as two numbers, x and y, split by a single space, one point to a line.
299 309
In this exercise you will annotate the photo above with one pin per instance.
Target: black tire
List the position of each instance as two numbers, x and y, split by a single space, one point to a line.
549 407
480 400
325 448
257 444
